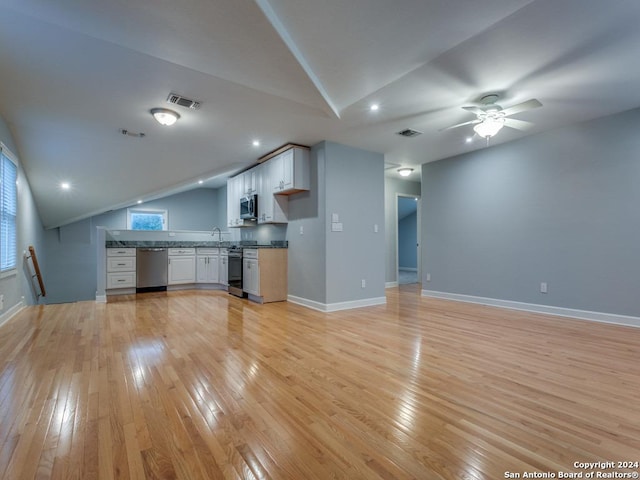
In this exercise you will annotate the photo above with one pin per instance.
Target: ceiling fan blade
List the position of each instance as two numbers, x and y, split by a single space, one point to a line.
460 125
521 107
476 110
517 124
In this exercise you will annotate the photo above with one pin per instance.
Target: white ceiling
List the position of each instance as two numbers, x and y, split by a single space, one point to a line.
74 72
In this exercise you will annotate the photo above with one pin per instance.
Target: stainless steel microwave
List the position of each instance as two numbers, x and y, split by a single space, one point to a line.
249 207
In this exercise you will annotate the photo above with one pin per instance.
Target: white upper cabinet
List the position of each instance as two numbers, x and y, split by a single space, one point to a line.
271 208
286 173
290 171
249 182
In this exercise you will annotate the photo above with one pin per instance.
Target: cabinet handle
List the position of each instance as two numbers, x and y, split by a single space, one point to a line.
121 280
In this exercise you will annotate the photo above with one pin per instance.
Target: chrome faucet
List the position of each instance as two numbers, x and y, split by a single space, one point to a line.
213 232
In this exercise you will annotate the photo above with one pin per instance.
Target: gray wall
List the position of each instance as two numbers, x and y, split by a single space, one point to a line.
559 207
308 251
328 267
355 191
29 232
70 268
393 187
407 241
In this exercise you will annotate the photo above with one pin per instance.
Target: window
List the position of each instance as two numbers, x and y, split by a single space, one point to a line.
8 210
145 219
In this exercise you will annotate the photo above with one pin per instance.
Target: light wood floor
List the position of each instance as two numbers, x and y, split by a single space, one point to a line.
196 385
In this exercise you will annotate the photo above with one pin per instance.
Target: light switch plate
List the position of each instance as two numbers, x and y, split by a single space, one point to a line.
335 218
336 227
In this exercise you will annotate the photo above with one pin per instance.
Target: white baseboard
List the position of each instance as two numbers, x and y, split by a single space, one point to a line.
101 298
544 309
408 269
6 316
334 307
391 284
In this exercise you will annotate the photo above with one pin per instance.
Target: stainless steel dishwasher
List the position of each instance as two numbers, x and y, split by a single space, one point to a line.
151 269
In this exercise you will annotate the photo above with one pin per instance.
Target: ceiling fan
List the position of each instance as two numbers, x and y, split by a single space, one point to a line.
491 117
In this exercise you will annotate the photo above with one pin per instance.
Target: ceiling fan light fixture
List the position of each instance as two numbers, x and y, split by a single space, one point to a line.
164 116
489 127
405 172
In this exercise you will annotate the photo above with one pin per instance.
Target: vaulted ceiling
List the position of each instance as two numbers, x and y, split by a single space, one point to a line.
75 72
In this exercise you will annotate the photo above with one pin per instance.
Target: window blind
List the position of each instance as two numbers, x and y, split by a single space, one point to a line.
8 212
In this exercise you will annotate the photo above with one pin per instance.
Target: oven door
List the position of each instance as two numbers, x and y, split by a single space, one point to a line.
235 273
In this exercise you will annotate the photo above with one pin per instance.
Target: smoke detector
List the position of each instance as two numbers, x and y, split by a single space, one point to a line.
408 132
176 99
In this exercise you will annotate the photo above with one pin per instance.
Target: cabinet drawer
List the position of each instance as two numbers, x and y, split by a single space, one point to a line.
250 253
121 264
121 280
182 251
121 252
208 251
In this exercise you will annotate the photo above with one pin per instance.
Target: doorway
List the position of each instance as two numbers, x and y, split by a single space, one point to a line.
407 239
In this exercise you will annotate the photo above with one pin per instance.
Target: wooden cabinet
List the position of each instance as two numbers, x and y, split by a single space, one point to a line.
182 266
208 265
121 268
290 171
265 274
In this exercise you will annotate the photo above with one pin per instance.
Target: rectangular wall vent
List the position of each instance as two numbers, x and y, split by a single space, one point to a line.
409 133
182 101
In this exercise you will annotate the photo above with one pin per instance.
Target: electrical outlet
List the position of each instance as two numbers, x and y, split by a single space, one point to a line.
375 228
301 230
1 302
364 283
428 277
543 287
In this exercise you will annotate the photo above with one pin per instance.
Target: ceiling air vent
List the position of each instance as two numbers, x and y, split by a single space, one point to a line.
409 133
176 99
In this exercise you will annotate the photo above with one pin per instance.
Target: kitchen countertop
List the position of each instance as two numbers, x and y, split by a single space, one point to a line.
186 244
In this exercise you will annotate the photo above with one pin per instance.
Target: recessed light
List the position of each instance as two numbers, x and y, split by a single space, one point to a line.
374 107
469 139
256 143
139 202
200 182
65 185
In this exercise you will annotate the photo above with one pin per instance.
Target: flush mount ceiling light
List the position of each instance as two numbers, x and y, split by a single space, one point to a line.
405 172
164 116
489 127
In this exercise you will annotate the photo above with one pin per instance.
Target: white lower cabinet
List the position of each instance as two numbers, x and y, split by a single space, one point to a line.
208 265
182 266
223 272
121 268
250 272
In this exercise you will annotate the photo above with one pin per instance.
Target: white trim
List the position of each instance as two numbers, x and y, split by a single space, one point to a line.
101 299
391 284
544 309
334 307
407 269
6 316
